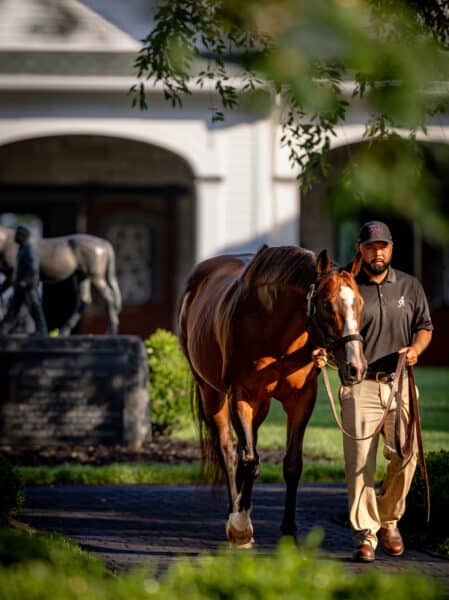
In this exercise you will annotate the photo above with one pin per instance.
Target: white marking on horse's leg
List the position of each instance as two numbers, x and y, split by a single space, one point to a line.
239 529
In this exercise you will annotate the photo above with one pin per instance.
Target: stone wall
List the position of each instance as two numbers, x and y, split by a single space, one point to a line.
80 389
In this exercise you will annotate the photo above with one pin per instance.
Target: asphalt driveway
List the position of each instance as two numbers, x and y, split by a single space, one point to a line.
134 525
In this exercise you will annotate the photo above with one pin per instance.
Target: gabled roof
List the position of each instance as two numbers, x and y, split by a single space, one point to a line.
70 25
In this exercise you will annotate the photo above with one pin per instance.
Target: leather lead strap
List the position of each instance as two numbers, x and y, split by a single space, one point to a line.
378 428
422 459
413 425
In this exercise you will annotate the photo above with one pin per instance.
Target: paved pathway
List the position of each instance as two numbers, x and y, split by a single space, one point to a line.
130 525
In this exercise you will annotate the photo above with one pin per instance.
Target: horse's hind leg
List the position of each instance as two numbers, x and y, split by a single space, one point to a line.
216 413
84 298
107 297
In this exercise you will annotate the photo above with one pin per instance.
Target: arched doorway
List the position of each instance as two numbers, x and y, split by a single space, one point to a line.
137 195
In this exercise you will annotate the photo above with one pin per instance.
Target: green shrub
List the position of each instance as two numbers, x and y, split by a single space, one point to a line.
11 489
64 573
289 573
169 382
18 546
436 533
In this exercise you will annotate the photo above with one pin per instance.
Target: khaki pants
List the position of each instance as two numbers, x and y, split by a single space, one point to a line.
362 407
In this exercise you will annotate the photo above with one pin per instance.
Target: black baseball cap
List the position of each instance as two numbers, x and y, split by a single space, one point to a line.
375 231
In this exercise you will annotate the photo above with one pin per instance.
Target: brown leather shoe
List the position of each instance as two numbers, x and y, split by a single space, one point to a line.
364 553
391 541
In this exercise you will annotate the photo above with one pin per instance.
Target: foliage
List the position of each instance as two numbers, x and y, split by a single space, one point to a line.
36 566
319 60
287 573
169 382
123 473
436 533
11 486
116 473
18 546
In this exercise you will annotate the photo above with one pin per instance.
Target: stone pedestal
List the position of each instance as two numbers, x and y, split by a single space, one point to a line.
79 389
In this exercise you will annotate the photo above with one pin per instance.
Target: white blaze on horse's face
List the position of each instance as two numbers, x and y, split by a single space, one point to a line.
348 297
353 349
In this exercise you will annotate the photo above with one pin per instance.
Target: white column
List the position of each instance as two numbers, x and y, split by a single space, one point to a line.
210 217
261 186
286 195
286 203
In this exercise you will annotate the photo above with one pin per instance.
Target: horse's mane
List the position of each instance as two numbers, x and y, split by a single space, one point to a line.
282 265
269 269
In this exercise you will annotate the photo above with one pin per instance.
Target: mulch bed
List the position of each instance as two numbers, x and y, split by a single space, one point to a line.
160 450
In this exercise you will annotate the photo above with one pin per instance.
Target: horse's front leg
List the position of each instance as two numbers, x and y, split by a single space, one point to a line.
298 406
246 418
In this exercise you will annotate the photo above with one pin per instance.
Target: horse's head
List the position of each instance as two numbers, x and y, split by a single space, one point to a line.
336 306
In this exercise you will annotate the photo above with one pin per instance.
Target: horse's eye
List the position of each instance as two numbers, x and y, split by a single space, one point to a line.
327 305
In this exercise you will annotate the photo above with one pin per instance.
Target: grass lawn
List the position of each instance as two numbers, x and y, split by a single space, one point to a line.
323 440
322 445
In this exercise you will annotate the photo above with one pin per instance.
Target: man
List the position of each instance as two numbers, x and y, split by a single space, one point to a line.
26 285
395 320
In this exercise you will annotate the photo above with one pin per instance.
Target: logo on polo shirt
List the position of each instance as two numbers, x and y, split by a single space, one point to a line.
401 302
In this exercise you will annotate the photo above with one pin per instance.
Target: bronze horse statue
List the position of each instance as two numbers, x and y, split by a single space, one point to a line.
90 259
247 328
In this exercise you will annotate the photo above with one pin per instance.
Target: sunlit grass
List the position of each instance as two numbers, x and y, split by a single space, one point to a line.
121 473
323 441
117 473
323 451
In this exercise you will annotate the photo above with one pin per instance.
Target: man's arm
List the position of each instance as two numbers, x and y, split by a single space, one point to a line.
420 343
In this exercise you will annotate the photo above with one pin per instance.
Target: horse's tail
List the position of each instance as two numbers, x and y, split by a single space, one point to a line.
209 445
211 470
111 279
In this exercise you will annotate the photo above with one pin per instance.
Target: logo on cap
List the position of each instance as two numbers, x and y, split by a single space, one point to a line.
374 231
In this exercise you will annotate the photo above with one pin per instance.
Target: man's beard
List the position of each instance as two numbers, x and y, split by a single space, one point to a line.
376 269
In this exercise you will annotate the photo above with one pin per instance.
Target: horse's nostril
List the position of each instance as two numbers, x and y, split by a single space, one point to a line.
351 370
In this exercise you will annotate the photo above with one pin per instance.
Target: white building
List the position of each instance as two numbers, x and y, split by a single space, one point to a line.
166 186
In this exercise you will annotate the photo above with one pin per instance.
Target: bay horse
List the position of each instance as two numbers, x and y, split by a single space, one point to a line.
90 259
247 328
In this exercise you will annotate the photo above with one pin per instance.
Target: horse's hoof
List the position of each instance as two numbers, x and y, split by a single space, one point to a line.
290 536
239 530
289 530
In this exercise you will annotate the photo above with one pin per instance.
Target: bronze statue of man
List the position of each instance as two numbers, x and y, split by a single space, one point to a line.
26 285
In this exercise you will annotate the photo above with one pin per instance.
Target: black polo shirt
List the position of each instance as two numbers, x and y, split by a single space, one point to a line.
394 311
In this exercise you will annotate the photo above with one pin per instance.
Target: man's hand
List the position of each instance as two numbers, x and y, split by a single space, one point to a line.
319 357
411 356
420 343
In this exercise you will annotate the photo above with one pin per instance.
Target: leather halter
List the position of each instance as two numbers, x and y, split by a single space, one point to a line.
330 343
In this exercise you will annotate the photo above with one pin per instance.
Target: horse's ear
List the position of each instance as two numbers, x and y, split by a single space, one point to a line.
355 265
323 263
